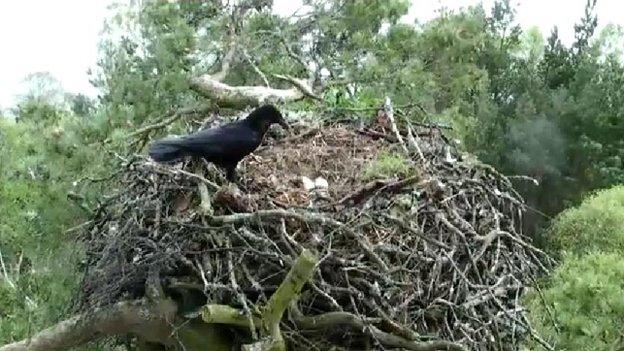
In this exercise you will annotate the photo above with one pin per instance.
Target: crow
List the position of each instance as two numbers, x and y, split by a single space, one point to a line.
224 146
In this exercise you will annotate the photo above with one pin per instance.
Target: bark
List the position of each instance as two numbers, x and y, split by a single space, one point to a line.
149 321
239 97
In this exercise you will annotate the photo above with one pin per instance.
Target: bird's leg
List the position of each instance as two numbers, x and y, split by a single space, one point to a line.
231 173
231 176
206 202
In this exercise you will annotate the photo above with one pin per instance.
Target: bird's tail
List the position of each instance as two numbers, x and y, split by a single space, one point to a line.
165 150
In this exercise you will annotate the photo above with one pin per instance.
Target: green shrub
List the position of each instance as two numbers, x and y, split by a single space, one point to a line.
583 305
596 225
38 166
387 166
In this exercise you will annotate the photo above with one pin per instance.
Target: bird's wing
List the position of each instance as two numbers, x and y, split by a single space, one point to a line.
226 142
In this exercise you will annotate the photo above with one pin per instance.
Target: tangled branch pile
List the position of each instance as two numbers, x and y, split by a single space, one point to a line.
437 253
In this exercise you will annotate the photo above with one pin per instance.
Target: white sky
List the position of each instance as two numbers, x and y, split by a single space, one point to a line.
61 36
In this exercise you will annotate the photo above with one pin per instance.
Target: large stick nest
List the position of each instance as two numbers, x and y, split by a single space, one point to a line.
436 253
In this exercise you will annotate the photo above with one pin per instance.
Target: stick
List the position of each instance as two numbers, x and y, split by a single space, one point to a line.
150 320
304 217
390 114
288 291
334 319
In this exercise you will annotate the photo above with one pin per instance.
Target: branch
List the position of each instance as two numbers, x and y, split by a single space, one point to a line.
288 291
150 321
334 319
302 85
5 274
205 204
224 314
272 314
417 232
239 97
212 87
387 107
229 56
292 54
168 119
256 68
172 118
373 188
308 217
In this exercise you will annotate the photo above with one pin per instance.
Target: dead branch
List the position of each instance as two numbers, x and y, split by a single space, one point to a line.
303 85
151 321
292 54
374 187
390 114
239 97
335 319
172 118
228 58
256 68
306 217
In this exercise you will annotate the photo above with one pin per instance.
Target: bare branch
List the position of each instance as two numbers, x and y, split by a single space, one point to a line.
308 217
333 319
292 54
228 58
150 321
225 95
256 68
303 85
172 118
387 107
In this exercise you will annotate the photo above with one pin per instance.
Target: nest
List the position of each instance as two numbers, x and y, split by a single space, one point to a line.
437 253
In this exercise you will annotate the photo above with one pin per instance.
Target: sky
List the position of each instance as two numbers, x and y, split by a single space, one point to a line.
61 36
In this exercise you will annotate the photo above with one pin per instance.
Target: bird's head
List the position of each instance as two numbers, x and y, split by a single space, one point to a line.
264 116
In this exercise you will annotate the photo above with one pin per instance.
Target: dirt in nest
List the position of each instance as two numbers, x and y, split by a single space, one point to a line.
338 154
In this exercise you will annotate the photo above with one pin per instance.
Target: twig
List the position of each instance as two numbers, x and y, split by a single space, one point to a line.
205 203
5 274
416 232
228 58
292 54
300 84
173 117
241 297
304 217
413 142
387 106
287 292
331 319
256 68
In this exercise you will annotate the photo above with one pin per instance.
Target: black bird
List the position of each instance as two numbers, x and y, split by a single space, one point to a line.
224 146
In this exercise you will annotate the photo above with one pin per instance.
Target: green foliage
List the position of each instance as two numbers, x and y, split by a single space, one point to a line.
388 165
144 73
40 160
597 224
32 110
582 307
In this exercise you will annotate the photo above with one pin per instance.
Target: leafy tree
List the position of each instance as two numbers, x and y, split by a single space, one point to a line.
43 153
597 224
581 306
